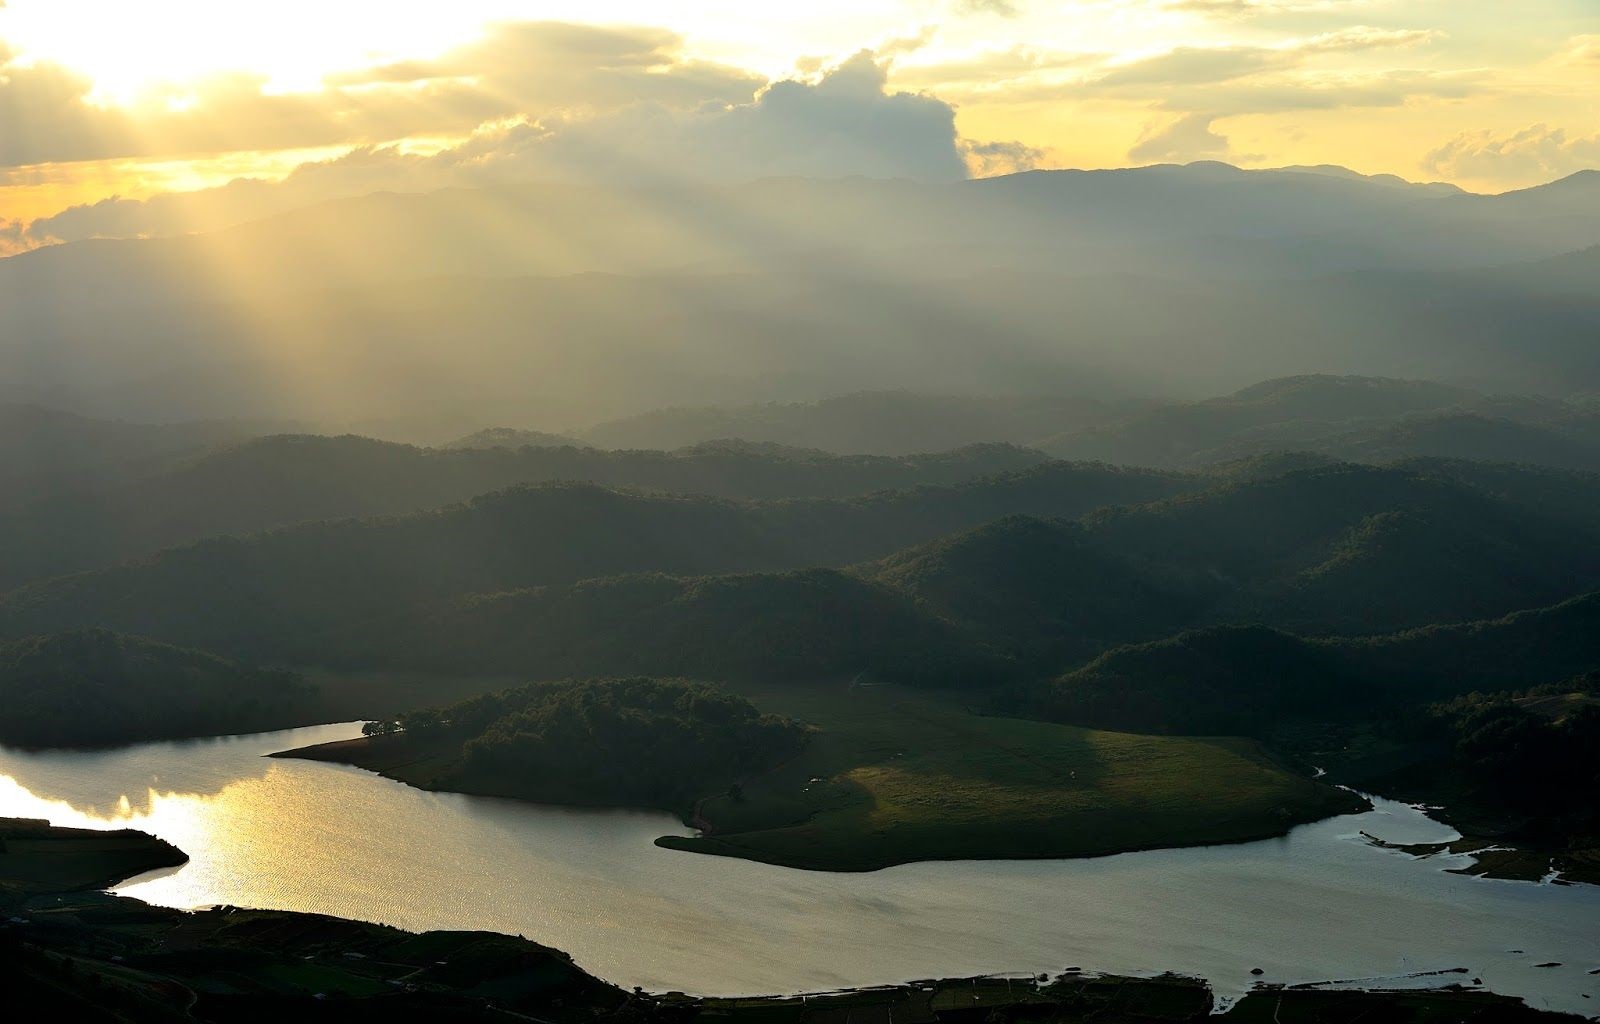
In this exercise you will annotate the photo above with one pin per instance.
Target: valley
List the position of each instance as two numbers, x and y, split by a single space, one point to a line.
965 512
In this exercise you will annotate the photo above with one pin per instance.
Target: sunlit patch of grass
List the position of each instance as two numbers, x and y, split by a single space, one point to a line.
895 776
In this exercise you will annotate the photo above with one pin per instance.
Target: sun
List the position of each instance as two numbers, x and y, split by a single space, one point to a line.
129 50
133 49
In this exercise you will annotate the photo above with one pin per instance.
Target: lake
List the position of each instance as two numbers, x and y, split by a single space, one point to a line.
1318 905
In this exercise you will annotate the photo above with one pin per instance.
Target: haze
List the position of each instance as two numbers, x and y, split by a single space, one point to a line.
606 512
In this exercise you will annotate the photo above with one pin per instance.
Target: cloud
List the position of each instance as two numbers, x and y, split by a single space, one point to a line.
1287 77
540 66
518 70
13 235
1535 154
1190 137
1189 65
1003 8
1337 91
845 123
1581 52
1193 65
990 159
1356 38
989 68
44 115
1255 8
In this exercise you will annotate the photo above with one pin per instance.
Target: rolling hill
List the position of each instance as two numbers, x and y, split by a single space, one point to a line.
889 422
93 687
282 480
1248 679
1367 419
1357 549
251 594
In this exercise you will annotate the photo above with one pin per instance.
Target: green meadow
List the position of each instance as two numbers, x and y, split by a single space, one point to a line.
893 776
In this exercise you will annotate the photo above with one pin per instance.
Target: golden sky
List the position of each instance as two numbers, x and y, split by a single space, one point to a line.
140 98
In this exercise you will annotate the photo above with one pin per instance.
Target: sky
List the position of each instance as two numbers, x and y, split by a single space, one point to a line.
145 116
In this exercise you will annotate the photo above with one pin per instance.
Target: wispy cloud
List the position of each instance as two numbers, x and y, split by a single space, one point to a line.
1186 139
1532 155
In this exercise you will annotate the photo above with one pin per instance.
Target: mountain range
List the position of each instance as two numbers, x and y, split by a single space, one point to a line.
1170 281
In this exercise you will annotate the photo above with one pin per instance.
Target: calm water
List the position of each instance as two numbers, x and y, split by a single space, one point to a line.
1317 905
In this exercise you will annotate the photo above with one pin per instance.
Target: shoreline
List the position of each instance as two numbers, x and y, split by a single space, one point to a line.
451 972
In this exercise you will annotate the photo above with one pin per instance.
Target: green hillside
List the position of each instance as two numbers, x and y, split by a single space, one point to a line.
1250 679
283 480
94 687
613 742
255 594
804 625
893 777
1042 590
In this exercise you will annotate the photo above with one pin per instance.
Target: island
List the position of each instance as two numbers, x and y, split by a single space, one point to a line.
878 774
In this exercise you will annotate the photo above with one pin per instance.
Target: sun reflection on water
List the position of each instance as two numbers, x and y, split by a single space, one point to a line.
319 838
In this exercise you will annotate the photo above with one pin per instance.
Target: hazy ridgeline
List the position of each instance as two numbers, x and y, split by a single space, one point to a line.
425 313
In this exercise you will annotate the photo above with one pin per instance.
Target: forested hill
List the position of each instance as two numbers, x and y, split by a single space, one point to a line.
787 627
49 451
1247 679
287 479
1358 549
251 595
1331 549
93 687
1368 419
632 742
872 421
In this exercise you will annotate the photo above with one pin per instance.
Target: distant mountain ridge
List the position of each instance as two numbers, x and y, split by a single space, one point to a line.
885 422
1102 281
1342 416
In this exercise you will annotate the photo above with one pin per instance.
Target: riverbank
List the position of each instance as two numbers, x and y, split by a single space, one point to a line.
90 955
234 965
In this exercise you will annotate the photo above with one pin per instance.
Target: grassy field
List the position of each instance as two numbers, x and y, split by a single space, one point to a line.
895 776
